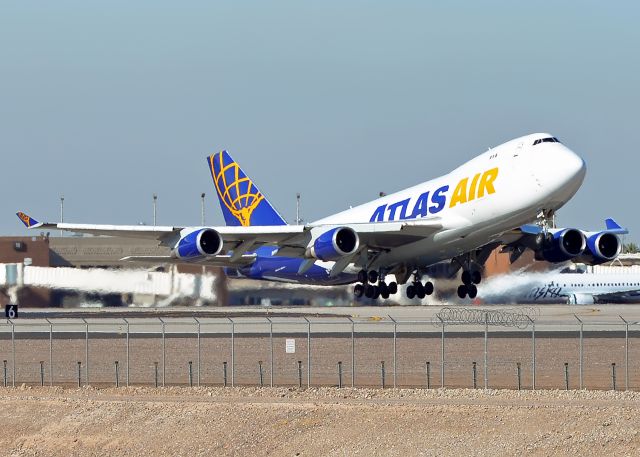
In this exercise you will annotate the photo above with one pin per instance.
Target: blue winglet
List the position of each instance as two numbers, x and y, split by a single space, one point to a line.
614 227
27 220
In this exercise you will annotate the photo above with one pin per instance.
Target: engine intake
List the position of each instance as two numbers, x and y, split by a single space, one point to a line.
334 244
603 247
200 243
563 245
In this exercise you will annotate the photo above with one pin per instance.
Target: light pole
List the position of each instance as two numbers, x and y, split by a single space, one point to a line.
202 208
298 208
61 213
155 208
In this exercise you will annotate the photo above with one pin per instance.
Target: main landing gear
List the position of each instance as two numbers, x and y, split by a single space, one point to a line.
417 289
469 280
372 285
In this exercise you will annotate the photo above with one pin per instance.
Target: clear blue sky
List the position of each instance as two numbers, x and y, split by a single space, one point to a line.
108 103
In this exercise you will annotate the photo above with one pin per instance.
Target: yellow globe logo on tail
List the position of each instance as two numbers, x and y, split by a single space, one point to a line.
236 191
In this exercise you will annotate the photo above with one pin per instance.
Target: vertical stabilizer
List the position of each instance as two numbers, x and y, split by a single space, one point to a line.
241 201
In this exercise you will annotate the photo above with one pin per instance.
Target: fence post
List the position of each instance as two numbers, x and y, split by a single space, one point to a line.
190 373
519 374
4 362
626 353
566 376
308 352
13 352
260 373
339 375
300 373
164 354
581 359
79 374
353 353
224 373
117 375
233 352
533 353
442 354
50 352
474 373
428 368
486 344
41 373
127 322
271 351
86 350
382 372
613 375
198 359
155 364
395 336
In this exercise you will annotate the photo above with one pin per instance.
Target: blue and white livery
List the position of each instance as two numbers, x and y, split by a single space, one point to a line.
503 197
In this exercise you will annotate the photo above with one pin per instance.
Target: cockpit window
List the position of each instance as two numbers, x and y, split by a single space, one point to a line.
546 140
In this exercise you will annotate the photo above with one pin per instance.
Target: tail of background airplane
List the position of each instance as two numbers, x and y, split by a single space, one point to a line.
241 201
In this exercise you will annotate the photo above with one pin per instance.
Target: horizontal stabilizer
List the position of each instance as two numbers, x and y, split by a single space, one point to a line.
614 227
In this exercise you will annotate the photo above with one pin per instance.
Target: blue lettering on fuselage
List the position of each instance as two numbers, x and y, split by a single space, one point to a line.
421 208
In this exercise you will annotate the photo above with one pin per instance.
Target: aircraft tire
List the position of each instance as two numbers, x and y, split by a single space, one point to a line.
420 292
472 290
393 288
373 276
384 289
428 287
462 291
369 291
358 290
362 276
476 277
411 292
466 277
376 292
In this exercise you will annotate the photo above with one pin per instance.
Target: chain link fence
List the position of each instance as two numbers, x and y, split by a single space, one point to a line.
457 348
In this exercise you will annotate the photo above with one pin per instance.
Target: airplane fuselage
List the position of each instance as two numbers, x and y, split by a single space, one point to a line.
497 191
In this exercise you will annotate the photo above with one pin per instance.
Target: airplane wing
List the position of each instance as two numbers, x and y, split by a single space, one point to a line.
292 240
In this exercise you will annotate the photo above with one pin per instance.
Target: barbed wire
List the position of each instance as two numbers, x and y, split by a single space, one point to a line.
512 317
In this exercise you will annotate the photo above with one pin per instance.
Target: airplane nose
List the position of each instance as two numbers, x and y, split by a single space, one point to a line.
562 170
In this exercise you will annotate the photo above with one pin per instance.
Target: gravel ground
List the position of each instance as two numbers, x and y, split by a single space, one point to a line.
319 421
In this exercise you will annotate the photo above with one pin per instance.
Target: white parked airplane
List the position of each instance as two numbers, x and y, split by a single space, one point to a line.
575 286
461 216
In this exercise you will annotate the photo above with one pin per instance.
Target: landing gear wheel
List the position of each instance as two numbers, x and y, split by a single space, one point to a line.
373 276
476 277
369 291
411 292
462 291
393 288
358 290
384 290
362 276
419 289
466 277
428 287
472 290
376 292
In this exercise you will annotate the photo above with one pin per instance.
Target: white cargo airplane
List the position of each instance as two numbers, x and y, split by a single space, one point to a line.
461 216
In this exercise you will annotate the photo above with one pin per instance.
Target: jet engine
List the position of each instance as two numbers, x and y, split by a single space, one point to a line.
200 243
334 244
562 245
602 247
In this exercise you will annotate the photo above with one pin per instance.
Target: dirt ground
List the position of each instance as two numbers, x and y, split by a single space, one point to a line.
319 421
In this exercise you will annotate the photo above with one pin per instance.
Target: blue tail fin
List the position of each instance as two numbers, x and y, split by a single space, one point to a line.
241 201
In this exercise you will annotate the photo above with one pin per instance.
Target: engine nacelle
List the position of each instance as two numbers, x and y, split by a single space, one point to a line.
562 246
334 244
602 247
200 243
